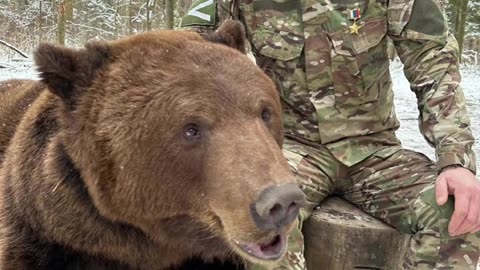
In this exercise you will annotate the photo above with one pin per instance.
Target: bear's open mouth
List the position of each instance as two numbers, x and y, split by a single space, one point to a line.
271 250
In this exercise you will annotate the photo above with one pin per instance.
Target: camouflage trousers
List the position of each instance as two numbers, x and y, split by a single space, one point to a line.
398 189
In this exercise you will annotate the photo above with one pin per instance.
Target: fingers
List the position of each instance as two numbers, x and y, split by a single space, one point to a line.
471 221
441 190
475 230
462 204
477 227
465 187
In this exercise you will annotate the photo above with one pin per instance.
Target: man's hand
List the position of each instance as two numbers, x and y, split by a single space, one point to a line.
465 187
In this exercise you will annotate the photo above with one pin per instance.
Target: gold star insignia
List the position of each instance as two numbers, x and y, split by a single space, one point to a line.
354 28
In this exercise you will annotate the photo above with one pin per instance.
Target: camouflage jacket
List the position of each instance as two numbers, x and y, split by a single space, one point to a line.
329 60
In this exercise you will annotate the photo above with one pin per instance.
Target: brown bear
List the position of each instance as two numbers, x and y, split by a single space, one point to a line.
150 152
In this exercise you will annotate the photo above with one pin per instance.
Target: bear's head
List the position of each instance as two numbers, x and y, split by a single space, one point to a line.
179 136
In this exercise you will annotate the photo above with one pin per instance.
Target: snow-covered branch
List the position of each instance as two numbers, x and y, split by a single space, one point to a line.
13 48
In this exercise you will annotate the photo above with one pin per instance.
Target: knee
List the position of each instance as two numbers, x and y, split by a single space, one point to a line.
431 216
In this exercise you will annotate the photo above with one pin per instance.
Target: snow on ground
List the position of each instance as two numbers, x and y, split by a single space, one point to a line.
18 69
406 107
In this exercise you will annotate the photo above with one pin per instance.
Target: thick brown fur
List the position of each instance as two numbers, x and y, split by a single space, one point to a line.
99 170
14 104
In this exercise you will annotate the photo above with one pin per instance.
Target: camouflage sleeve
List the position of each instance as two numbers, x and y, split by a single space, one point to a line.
430 55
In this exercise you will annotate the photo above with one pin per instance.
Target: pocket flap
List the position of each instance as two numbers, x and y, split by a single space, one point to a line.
282 45
371 32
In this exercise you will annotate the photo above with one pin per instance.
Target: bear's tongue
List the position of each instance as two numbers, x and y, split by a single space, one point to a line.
267 251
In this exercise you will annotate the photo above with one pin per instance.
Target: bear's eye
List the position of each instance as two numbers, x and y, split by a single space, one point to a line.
266 115
191 132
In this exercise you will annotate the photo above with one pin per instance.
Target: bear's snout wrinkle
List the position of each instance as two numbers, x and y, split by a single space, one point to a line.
277 206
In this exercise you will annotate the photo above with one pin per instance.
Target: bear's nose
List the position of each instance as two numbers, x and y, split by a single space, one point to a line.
277 206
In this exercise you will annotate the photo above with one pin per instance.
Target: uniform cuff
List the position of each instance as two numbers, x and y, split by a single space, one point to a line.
455 155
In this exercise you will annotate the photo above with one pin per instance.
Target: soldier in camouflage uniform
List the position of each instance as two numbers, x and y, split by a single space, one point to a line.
329 60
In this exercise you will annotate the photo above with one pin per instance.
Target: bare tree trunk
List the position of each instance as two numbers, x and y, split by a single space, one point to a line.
169 15
40 20
69 11
116 20
161 8
148 24
150 14
54 19
456 19
61 23
130 17
460 34
54 6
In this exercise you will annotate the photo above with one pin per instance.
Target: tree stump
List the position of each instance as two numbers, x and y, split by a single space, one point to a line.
339 236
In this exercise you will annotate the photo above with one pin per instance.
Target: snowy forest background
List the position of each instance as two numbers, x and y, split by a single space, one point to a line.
25 23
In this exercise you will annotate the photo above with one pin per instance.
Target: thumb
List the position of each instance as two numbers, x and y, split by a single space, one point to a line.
441 190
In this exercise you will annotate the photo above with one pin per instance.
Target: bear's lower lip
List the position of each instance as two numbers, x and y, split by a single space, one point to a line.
272 250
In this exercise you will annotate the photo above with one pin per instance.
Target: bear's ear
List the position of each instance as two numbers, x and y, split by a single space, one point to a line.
230 33
66 70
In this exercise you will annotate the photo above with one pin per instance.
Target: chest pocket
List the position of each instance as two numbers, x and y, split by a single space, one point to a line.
359 60
275 28
276 33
